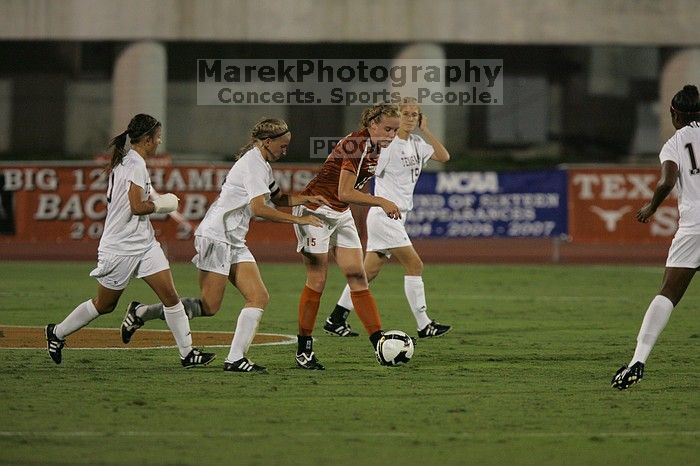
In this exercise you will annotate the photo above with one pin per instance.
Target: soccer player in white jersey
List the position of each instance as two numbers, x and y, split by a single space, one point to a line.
680 167
128 247
396 175
222 255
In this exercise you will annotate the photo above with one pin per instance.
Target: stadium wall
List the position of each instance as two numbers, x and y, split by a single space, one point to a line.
620 22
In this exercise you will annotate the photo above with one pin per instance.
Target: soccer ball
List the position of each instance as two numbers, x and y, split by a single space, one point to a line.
394 348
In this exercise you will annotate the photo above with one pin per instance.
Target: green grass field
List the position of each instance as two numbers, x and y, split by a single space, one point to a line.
523 378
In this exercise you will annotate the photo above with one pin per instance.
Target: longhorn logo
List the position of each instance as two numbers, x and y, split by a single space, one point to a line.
610 217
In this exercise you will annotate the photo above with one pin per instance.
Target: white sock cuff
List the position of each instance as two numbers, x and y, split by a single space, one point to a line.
255 312
174 309
413 279
91 309
661 300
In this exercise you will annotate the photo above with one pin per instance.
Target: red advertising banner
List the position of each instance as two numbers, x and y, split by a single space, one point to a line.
61 208
603 203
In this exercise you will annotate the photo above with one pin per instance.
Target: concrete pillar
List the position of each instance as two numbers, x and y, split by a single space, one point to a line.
681 69
436 113
139 85
607 72
612 69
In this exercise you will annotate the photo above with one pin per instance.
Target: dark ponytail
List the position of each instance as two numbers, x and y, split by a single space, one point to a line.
686 103
118 154
140 126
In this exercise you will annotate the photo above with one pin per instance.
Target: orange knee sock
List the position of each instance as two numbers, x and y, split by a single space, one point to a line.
366 308
308 309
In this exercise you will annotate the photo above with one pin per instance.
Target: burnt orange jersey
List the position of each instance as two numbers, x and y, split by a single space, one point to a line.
353 153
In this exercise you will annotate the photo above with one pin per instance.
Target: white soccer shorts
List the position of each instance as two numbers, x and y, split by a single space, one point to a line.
217 256
115 271
338 230
385 233
684 251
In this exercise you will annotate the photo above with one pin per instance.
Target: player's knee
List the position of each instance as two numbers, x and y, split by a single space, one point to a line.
415 267
316 283
357 277
210 307
371 273
259 299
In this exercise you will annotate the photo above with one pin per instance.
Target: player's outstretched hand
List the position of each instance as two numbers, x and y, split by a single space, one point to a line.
391 209
645 213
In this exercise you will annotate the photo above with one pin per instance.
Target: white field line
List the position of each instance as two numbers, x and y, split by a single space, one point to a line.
451 435
288 339
124 348
539 298
488 297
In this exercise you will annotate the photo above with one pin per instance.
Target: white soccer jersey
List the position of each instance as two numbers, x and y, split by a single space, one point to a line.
126 234
398 169
684 149
228 217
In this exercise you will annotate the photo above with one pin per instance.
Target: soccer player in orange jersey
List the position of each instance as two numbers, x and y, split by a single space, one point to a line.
347 169
396 176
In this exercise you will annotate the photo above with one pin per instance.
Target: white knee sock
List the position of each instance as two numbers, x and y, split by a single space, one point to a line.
415 294
655 320
79 318
345 300
179 324
248 321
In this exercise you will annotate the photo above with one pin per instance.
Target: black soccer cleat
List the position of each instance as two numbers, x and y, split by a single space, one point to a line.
54 344
308 361
244 365
625 376
434 329
131 322
197 358
341 329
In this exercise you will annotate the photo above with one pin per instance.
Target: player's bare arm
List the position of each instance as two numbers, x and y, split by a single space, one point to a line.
669 176
261 209
347 193
138 205
440 154
289 200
